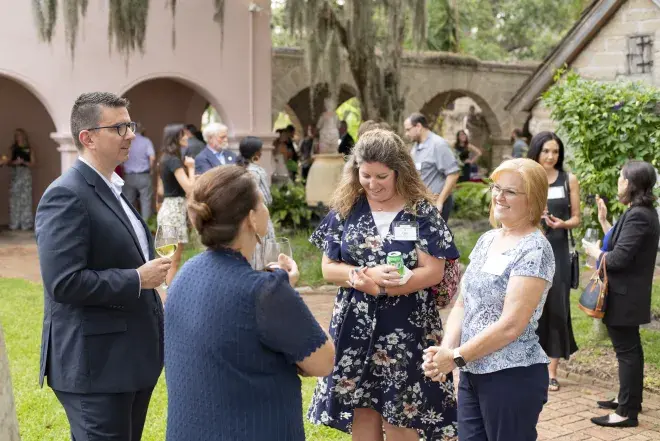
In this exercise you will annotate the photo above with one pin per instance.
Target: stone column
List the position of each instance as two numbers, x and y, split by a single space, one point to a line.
67 149
8 423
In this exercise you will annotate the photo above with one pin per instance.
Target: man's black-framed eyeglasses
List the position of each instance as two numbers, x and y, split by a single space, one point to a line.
121 128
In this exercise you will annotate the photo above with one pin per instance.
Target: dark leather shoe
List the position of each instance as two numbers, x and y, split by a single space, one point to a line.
610 404
605 422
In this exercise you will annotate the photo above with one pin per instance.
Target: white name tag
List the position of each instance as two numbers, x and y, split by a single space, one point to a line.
418 165
556 193
405 231
496 264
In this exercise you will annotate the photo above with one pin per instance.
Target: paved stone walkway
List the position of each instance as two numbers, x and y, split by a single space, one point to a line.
568 412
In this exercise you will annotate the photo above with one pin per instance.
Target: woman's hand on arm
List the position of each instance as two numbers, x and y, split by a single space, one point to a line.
339 273
429 272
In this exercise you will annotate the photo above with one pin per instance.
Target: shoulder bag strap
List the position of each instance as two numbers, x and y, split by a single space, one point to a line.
570 211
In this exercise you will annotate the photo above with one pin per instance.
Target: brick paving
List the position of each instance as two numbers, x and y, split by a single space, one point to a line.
566 416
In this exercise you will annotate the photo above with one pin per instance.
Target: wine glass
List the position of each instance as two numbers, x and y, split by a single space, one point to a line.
166 242
591 235
273 248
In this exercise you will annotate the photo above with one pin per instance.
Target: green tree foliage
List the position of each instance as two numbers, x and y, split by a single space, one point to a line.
501 29
605 124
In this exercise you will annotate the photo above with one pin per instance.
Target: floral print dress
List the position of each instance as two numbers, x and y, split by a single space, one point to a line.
380 341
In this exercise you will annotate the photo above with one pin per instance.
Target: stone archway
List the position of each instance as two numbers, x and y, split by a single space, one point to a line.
20 107
157 102
306 114
485 127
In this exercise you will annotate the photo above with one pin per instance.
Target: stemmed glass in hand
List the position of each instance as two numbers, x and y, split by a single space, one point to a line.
166 242
591 236
273 248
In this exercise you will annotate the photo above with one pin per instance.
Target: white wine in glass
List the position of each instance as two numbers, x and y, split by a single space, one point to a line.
166 250
166 242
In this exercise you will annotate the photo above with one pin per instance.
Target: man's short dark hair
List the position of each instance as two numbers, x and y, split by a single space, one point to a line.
343 124
290 128
86 112
418 118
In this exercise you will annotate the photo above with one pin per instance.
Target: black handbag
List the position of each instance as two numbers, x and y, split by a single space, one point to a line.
575 260
593 300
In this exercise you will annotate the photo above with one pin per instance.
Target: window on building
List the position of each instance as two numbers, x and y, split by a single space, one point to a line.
640 54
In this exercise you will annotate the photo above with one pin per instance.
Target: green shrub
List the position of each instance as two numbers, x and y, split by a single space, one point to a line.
289 208
604 124
472 200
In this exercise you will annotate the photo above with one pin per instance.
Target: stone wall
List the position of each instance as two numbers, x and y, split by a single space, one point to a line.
605 57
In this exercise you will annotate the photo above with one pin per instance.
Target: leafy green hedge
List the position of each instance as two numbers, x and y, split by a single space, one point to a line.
604 124
471 201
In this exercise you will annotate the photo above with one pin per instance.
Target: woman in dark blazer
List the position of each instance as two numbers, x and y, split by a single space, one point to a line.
630 254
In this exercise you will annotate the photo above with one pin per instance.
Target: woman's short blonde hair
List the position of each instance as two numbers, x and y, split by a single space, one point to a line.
387 148
535 181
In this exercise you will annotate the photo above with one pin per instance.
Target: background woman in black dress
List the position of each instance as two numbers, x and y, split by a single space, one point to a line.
467 153
563 213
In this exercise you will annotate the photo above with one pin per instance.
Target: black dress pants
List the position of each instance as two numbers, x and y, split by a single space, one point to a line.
106 417
630 355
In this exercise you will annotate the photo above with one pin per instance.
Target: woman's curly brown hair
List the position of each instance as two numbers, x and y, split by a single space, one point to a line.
387 148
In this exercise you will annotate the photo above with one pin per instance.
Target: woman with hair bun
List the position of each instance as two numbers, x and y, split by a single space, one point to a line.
236 338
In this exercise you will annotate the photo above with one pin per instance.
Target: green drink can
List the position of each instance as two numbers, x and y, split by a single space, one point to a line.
394 258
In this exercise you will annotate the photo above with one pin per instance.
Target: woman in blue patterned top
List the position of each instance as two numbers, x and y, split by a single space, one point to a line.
236 338
382 321
491 331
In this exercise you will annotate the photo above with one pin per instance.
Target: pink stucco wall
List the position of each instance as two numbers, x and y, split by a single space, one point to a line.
235 77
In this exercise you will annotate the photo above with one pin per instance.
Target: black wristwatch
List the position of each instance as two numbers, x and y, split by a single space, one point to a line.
458 359
381 292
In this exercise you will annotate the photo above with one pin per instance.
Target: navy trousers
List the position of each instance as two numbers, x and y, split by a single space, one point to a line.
503 405
106 417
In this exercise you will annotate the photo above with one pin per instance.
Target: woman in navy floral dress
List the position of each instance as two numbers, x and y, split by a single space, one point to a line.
380 325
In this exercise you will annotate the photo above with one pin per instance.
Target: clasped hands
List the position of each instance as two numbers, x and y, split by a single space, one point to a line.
438 362
369 280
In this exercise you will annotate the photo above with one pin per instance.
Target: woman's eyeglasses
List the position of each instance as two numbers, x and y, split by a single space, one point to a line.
122 128
496 190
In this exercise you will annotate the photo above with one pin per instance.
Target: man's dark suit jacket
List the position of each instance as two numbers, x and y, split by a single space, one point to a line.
346 144
206 160
101 334
630 263
195 147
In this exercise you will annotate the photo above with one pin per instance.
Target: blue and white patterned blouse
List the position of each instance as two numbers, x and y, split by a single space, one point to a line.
484 293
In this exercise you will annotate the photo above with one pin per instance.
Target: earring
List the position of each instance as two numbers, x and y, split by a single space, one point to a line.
259 238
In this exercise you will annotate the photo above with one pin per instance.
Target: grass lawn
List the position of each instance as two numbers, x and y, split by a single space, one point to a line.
40 416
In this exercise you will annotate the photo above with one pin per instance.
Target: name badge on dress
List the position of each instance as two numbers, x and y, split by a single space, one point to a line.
405 231
496 264
556 193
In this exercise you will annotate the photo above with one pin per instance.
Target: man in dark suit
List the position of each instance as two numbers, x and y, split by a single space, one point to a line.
346 141
102 340
216 153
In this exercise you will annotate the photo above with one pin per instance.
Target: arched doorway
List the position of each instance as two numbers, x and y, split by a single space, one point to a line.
158 102
21 108
308 113
454 110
